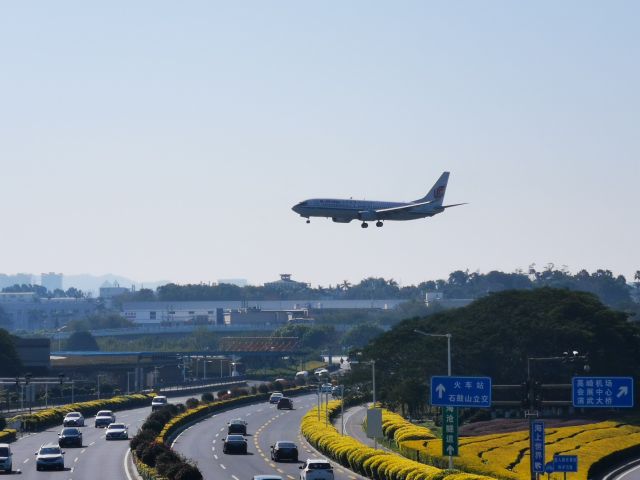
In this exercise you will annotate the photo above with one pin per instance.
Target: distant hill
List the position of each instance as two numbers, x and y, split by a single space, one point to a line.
92 283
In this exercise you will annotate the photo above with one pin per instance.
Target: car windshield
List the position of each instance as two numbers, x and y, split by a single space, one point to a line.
104 413
235 438
319 466
70 431
160 400
73 415
116 426
49 451
286 445
4 452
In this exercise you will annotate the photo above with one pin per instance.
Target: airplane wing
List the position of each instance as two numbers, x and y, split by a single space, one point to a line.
403 207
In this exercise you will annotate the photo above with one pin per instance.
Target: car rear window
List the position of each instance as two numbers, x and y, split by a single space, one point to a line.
286 445
319 466
50 451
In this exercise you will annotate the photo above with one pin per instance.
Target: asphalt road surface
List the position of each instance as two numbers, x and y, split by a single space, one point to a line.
266 425
96 460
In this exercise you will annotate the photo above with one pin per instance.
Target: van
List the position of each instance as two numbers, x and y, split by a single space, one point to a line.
6 458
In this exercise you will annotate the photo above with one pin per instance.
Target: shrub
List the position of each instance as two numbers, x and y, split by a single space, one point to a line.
188 472
165 461
262 388
192 403
3 423
207 397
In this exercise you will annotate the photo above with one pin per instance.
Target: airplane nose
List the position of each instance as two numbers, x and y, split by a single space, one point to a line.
296 208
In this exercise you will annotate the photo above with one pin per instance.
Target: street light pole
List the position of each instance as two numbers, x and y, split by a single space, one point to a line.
448 337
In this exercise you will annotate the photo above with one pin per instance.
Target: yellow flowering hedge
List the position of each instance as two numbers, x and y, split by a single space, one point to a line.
506 455
394 427
376 464
54 416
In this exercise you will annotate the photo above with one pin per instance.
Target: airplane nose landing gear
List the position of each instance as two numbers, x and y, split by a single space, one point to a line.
379 223
364 225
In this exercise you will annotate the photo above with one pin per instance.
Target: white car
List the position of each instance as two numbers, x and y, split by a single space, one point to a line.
316 469
73 419
49 456
117 431
275 397
158 402
104 418
6 458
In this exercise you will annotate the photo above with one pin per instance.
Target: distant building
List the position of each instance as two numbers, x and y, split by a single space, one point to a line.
27 312
51 281
238 282
437 298
17 279
285 283
255 316
34 353
110 290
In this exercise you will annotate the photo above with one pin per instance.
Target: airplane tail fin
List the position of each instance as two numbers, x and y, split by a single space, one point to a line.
436 194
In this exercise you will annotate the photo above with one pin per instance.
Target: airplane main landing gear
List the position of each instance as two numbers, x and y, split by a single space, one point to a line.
308 221
364 225
379 223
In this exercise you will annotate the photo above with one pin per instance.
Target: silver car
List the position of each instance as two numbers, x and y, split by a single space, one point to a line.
50 457
6 458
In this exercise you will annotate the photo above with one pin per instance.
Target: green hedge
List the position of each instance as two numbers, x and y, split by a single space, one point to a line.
54 416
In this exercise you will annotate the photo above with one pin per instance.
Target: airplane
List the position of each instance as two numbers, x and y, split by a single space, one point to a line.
344 211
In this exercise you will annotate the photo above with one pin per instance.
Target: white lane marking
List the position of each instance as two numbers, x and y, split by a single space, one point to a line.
223 467
83 450
72 469
217 435
75 460
91 443
124 464
214 441
215 456
234 477
291 477
26 460
627 472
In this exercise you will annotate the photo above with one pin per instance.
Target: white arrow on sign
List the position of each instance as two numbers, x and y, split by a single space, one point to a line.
440 390
450 450
624 390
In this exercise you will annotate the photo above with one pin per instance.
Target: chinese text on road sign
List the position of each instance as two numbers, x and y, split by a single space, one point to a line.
602 392
537 446
461 392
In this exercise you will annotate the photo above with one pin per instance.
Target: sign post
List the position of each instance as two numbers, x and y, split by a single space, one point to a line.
602 392
536 436
461 392
450 432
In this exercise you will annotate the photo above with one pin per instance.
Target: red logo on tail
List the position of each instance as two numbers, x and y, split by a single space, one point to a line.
439 192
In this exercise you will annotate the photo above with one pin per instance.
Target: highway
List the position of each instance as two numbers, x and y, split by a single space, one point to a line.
96 460
202 442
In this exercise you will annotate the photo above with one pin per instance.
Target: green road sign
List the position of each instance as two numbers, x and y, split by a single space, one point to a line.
450 431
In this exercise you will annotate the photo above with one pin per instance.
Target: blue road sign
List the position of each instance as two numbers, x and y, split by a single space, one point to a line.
565 463
548 468
461 392
602 392
537 446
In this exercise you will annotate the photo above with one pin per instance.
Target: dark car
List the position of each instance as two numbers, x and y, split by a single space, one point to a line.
285 403
70 437
234 444
237 426
284 451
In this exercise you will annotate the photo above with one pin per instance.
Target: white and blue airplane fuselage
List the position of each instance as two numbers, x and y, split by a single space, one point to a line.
344 211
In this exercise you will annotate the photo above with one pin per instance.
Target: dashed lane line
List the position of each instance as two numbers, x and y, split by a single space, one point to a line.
26 460
215 456
223 467
234 477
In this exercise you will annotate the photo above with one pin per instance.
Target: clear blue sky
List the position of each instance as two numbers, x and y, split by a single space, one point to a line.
163 139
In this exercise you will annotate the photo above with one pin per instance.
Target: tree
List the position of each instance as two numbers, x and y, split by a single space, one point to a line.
10 363
495 335
82 341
